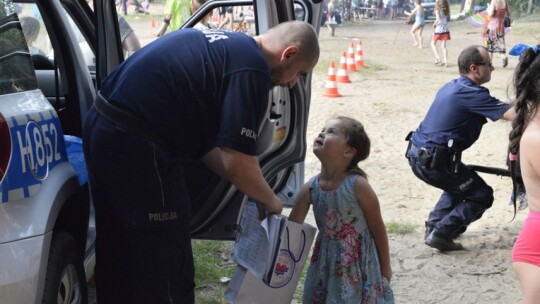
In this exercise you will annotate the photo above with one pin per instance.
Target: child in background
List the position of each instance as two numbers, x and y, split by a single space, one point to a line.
31 27
351 258
419 22
441 32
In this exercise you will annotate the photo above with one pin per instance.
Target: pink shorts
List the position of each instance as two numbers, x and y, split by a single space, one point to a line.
527 246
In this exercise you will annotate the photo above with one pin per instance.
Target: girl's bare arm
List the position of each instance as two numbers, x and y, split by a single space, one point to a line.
301 205
372 210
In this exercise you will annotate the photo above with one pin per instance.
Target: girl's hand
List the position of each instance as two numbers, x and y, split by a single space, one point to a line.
386 272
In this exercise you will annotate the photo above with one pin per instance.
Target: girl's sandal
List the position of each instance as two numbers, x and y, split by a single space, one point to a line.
437 61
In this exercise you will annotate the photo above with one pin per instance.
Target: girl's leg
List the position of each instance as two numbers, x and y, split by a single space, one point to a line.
445 52
435 52
420 39
413 34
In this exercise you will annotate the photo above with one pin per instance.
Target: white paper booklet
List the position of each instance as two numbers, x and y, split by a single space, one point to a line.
257 240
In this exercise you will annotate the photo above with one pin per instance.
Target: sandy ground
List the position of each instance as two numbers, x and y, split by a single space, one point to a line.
390 97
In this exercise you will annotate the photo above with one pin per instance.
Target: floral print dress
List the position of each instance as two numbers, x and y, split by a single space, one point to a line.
344 265
493 32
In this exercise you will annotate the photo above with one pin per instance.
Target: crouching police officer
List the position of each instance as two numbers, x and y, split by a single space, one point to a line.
452 124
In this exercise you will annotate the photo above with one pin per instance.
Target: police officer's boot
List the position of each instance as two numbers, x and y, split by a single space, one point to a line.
429 229
439 241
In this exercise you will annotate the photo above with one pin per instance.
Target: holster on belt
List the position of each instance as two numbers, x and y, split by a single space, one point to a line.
408 138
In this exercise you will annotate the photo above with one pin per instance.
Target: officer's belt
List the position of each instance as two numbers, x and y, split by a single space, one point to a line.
126 120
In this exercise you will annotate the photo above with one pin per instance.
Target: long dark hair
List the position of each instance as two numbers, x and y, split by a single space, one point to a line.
526 83
358 139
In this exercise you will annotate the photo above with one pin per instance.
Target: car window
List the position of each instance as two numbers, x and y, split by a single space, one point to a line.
89 56
16 69
38 38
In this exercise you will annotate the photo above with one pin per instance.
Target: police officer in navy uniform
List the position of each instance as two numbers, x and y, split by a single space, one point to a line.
189 95
452 124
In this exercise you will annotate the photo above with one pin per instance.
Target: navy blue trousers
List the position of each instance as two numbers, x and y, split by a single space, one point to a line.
464 199
143 245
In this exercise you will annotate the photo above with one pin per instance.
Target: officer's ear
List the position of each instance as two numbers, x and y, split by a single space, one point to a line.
473 68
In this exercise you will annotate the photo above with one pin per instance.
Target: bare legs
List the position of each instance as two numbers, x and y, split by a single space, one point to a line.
227 20
529 279
436 53
420 41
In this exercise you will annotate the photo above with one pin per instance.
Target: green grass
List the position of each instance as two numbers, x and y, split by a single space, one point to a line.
400 228
300 287
212 262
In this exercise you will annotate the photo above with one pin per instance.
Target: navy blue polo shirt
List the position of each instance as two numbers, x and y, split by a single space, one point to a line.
458 112
196 89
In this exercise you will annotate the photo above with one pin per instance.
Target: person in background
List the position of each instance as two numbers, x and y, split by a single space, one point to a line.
130 41
203 24
441 32
452 124
351 256
226 17
493 31
176 13
121 7
160 108
31 28
524 145
333 18
419 22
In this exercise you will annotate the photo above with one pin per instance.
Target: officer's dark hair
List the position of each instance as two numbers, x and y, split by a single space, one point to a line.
526 84
358 139
470 55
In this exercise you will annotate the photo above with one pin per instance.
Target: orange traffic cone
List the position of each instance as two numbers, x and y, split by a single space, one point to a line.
351 64
330 88
343 74
153 22
359 56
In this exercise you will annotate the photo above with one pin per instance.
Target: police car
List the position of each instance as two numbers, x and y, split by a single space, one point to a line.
49 75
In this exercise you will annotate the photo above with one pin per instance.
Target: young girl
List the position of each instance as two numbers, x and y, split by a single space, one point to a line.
419 22
351 258
441 32
525 142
